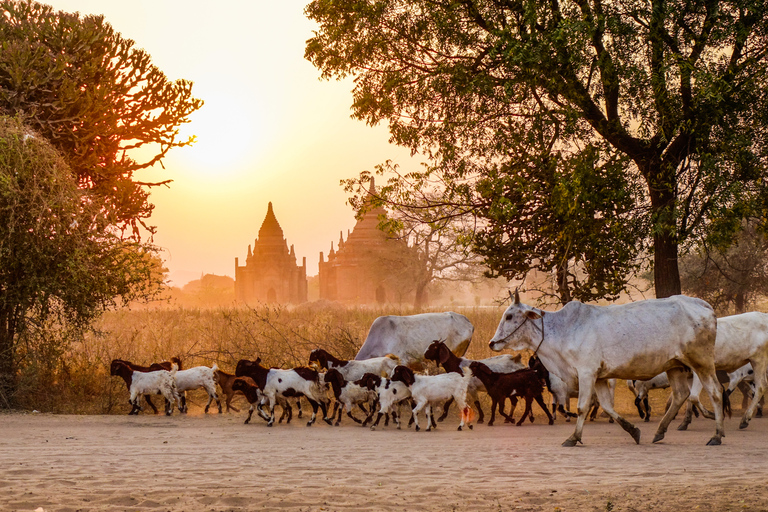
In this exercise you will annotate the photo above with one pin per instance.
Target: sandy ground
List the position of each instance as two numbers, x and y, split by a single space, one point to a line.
215 463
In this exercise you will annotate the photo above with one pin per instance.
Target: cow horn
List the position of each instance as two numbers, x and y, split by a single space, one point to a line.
517 296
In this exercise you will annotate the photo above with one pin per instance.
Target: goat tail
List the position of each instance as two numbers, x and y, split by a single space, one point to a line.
468 414
174 369
393 357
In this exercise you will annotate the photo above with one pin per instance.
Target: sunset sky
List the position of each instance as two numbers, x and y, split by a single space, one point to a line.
270 130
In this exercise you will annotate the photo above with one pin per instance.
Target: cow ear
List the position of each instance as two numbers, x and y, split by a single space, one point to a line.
532 315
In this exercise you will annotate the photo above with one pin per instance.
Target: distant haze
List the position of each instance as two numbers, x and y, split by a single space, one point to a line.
269 131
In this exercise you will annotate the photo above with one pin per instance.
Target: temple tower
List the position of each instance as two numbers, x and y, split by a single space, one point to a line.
270 273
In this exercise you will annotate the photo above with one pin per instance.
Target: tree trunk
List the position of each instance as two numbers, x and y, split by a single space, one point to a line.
741 302
662 185
7 366
421 295
562 284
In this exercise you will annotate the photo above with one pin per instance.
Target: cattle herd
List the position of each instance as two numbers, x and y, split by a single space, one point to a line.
580 351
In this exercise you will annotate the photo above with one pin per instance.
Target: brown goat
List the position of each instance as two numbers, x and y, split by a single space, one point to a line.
225 381
523 383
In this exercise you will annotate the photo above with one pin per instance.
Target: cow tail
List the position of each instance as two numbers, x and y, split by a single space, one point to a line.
726 402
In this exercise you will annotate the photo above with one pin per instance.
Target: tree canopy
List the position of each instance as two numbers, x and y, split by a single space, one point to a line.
95 97
58 256
666 100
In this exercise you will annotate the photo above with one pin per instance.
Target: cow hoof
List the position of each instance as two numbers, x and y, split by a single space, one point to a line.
744 424
715 441
658 437
570 442
683 426
636 435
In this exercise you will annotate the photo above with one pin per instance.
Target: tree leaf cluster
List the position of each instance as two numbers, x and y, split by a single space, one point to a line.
96 97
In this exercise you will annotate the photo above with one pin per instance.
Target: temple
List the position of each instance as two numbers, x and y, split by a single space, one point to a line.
270 273
368 267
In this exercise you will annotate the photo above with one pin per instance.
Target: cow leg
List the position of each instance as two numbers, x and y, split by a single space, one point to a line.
678 383
605 399
759 367
586 389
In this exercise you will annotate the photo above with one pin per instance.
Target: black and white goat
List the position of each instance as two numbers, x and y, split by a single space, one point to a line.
348 394
389 394
429 390
256 399
274 382
165 365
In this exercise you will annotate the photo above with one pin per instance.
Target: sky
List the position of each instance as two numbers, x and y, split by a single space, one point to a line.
270 130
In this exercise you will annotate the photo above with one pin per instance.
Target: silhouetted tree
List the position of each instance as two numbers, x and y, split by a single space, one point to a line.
493 92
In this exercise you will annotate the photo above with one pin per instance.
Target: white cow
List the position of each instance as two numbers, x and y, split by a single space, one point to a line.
408 337
741 339
586 345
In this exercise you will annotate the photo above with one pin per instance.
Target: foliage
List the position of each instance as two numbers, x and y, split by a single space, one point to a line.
60 261
730 277
672 93
95 97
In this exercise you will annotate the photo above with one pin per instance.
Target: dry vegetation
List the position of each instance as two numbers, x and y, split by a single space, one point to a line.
79 381
282 336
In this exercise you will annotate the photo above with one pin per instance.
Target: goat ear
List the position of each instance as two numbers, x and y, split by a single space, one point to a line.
444 354
258 360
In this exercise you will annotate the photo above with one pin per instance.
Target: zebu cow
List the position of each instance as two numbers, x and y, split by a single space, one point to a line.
408 337
586 345
741 339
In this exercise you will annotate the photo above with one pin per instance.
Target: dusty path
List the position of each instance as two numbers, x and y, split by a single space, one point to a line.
215 463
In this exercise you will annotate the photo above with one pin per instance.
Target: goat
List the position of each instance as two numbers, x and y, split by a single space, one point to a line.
159 382
301 381
354 370
389 393
439 352
561 394
194 378
348 394
427 390
256 398
525 383
165 365
225 381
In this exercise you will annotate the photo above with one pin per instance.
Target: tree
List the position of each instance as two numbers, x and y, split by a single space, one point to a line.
732 275
96 98
674 91
59 257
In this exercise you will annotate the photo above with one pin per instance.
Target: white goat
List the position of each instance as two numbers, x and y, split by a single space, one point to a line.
194 378
428 390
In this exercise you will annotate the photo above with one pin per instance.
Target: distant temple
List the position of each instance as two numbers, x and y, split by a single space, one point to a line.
368 267
270 273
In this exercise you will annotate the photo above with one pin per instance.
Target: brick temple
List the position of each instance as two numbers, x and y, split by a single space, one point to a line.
270 273
367 267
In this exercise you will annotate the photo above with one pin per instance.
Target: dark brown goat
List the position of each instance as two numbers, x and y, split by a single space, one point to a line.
114 369
523 383
325 359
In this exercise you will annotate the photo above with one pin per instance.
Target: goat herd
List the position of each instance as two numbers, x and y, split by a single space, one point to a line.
580 351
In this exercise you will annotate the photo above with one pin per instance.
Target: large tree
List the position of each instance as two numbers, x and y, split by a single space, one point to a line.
96 98
60 260
674 90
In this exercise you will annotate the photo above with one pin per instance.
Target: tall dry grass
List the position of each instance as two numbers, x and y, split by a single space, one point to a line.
78 381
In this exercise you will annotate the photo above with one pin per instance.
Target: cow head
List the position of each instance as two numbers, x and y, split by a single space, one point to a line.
518 328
